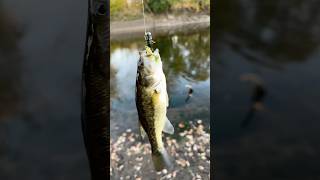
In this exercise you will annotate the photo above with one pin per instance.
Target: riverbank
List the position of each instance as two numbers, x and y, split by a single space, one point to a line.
158 25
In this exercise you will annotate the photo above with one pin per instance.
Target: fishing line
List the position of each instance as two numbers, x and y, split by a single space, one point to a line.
144 19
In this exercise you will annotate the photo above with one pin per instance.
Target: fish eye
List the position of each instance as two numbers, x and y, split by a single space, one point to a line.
101 10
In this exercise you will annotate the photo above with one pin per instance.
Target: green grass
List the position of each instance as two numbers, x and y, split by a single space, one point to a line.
127 10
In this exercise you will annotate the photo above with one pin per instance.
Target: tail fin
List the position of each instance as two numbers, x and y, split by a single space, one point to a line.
161 160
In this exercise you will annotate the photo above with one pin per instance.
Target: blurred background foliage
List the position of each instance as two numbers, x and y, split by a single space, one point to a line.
131 9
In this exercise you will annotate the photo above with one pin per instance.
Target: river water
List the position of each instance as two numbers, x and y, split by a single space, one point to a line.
266 89
41 55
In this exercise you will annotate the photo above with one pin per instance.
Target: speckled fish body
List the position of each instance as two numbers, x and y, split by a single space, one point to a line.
96 89
152 102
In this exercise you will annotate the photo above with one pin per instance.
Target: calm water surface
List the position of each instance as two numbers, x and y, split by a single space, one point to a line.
266 52
41 55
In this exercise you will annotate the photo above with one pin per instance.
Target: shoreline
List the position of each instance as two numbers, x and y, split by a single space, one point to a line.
158 25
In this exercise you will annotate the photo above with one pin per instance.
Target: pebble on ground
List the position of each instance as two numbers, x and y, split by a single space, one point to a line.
189 151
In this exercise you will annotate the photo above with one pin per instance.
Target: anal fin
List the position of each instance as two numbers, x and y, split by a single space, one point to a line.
168 127
143 133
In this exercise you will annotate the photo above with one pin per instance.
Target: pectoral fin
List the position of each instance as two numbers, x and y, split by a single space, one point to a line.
168 128
157 87
143 133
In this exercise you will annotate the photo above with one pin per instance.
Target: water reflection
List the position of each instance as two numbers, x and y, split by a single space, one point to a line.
10 59
10 82
188 56
185 61
40 87
282 31
258 94
266 130
189 94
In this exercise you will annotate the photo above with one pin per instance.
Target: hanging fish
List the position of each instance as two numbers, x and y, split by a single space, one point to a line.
96 89
152 102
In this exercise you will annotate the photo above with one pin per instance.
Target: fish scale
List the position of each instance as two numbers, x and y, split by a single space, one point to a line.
96 112
96 90
147 118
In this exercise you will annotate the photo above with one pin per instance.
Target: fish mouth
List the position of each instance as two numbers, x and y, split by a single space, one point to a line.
99 11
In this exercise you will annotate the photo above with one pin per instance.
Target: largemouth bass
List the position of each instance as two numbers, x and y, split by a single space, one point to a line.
152 101
96 90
